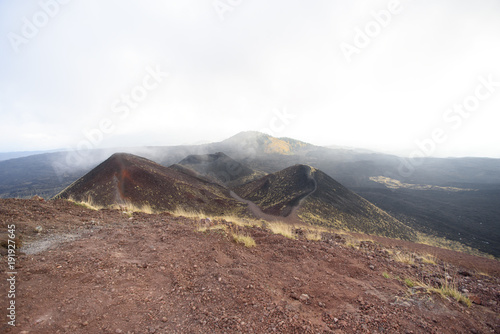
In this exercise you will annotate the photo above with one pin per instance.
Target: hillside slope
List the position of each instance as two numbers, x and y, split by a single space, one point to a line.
318 199
127 179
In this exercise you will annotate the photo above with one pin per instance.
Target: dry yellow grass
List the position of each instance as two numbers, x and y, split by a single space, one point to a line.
244 222
181 212
244 239
212 228
130 208
408 258
449 289
89 203
313 235
429 259
282 228
127 207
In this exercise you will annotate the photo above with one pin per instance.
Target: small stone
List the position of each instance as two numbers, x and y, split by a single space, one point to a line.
85 323
304 297
372 267
38 229
320 304
164 319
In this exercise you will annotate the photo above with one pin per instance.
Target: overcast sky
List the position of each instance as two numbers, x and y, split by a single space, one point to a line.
381 75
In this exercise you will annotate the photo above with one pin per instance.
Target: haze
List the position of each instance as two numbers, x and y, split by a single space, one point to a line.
200 72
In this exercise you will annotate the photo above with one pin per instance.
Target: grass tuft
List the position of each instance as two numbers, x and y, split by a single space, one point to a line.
243 222
221 228
313 235
450 290
429 259
409 283
244 239
181 212
130 208
282 228
408 258
88 204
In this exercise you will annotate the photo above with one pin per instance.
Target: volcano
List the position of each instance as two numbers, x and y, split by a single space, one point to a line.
316 198
128 179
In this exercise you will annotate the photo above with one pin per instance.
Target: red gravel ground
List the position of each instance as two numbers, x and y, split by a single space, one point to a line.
106 272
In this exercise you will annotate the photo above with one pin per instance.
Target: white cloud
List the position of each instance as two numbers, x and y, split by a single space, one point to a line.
228 76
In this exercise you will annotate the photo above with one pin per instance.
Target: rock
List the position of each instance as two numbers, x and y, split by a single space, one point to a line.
464 273
320 304
372 267
38 229
475 299
304 297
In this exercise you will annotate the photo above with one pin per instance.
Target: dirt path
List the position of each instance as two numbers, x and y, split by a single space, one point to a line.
291 218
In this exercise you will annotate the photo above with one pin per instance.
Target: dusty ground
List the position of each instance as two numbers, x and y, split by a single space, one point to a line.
105 272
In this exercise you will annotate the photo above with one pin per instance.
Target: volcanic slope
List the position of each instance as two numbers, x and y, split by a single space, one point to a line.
318 199
221 168
125 179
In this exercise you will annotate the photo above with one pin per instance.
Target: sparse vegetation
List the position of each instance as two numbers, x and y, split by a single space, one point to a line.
450 290
282 228
482 273
409 283
386 275
429 259
127 208
449 244
313 235
408 258
244 239
221 228
181 212
239 221
131 208
88 204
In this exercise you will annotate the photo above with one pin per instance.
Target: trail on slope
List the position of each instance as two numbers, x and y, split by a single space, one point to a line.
292 217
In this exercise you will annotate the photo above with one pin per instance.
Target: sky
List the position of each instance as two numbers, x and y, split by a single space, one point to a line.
402 77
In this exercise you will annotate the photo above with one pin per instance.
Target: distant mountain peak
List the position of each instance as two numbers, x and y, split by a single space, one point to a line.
264 144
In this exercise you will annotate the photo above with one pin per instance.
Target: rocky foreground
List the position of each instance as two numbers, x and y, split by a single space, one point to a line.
85 271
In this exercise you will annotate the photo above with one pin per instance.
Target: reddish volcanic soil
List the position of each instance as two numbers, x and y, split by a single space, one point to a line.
105 272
